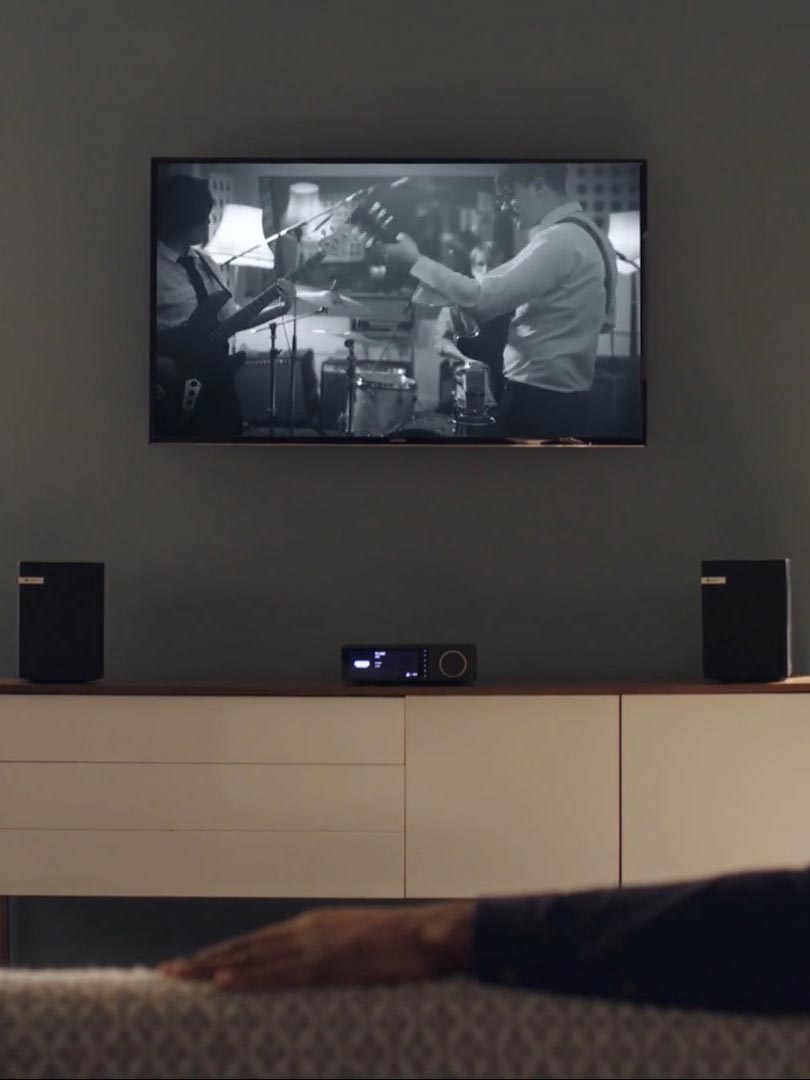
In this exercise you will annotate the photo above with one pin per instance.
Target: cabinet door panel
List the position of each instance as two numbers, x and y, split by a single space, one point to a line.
510 794
714 783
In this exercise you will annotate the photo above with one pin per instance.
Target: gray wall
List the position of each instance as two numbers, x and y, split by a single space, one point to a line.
256 563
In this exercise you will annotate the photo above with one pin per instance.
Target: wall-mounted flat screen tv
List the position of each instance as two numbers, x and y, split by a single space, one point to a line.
358 302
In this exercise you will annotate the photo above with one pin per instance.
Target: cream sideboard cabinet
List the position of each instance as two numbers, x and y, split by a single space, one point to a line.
714 783
331 791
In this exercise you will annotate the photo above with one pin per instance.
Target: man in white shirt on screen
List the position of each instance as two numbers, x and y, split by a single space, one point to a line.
562 288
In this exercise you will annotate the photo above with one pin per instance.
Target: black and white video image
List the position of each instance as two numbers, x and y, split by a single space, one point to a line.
379 302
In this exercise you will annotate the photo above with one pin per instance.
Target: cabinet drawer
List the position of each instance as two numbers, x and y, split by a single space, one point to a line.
261 864
122 796
330 731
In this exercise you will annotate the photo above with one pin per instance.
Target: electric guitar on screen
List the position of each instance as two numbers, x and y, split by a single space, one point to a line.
374 219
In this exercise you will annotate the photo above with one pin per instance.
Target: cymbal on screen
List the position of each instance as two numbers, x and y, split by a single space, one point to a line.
335 302
346 335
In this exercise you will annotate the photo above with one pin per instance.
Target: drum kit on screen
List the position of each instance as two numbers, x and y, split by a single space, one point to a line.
381 396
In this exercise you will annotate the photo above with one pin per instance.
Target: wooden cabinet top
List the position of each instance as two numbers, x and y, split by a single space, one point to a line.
798 685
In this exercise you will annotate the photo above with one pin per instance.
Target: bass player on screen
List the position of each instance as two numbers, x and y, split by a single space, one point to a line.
195 315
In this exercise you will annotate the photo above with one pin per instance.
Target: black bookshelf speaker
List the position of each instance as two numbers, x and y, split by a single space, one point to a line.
746 620
61 621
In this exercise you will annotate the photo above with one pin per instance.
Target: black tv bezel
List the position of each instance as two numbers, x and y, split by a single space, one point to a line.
398 441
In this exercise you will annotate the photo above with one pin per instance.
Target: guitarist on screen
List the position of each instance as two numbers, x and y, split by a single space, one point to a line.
195 314
561 287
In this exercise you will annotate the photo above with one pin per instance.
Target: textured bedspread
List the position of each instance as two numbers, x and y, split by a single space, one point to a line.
114 1023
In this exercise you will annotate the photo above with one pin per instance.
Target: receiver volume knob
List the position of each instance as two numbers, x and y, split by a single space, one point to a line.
452 664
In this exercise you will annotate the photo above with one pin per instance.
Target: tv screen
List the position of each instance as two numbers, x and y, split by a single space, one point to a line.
397 302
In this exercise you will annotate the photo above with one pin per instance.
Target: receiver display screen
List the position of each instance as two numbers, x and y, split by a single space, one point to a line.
383 665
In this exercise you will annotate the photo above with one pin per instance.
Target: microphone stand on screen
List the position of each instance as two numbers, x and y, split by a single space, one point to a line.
297 229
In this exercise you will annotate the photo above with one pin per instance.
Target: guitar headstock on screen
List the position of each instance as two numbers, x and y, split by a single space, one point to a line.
375 220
